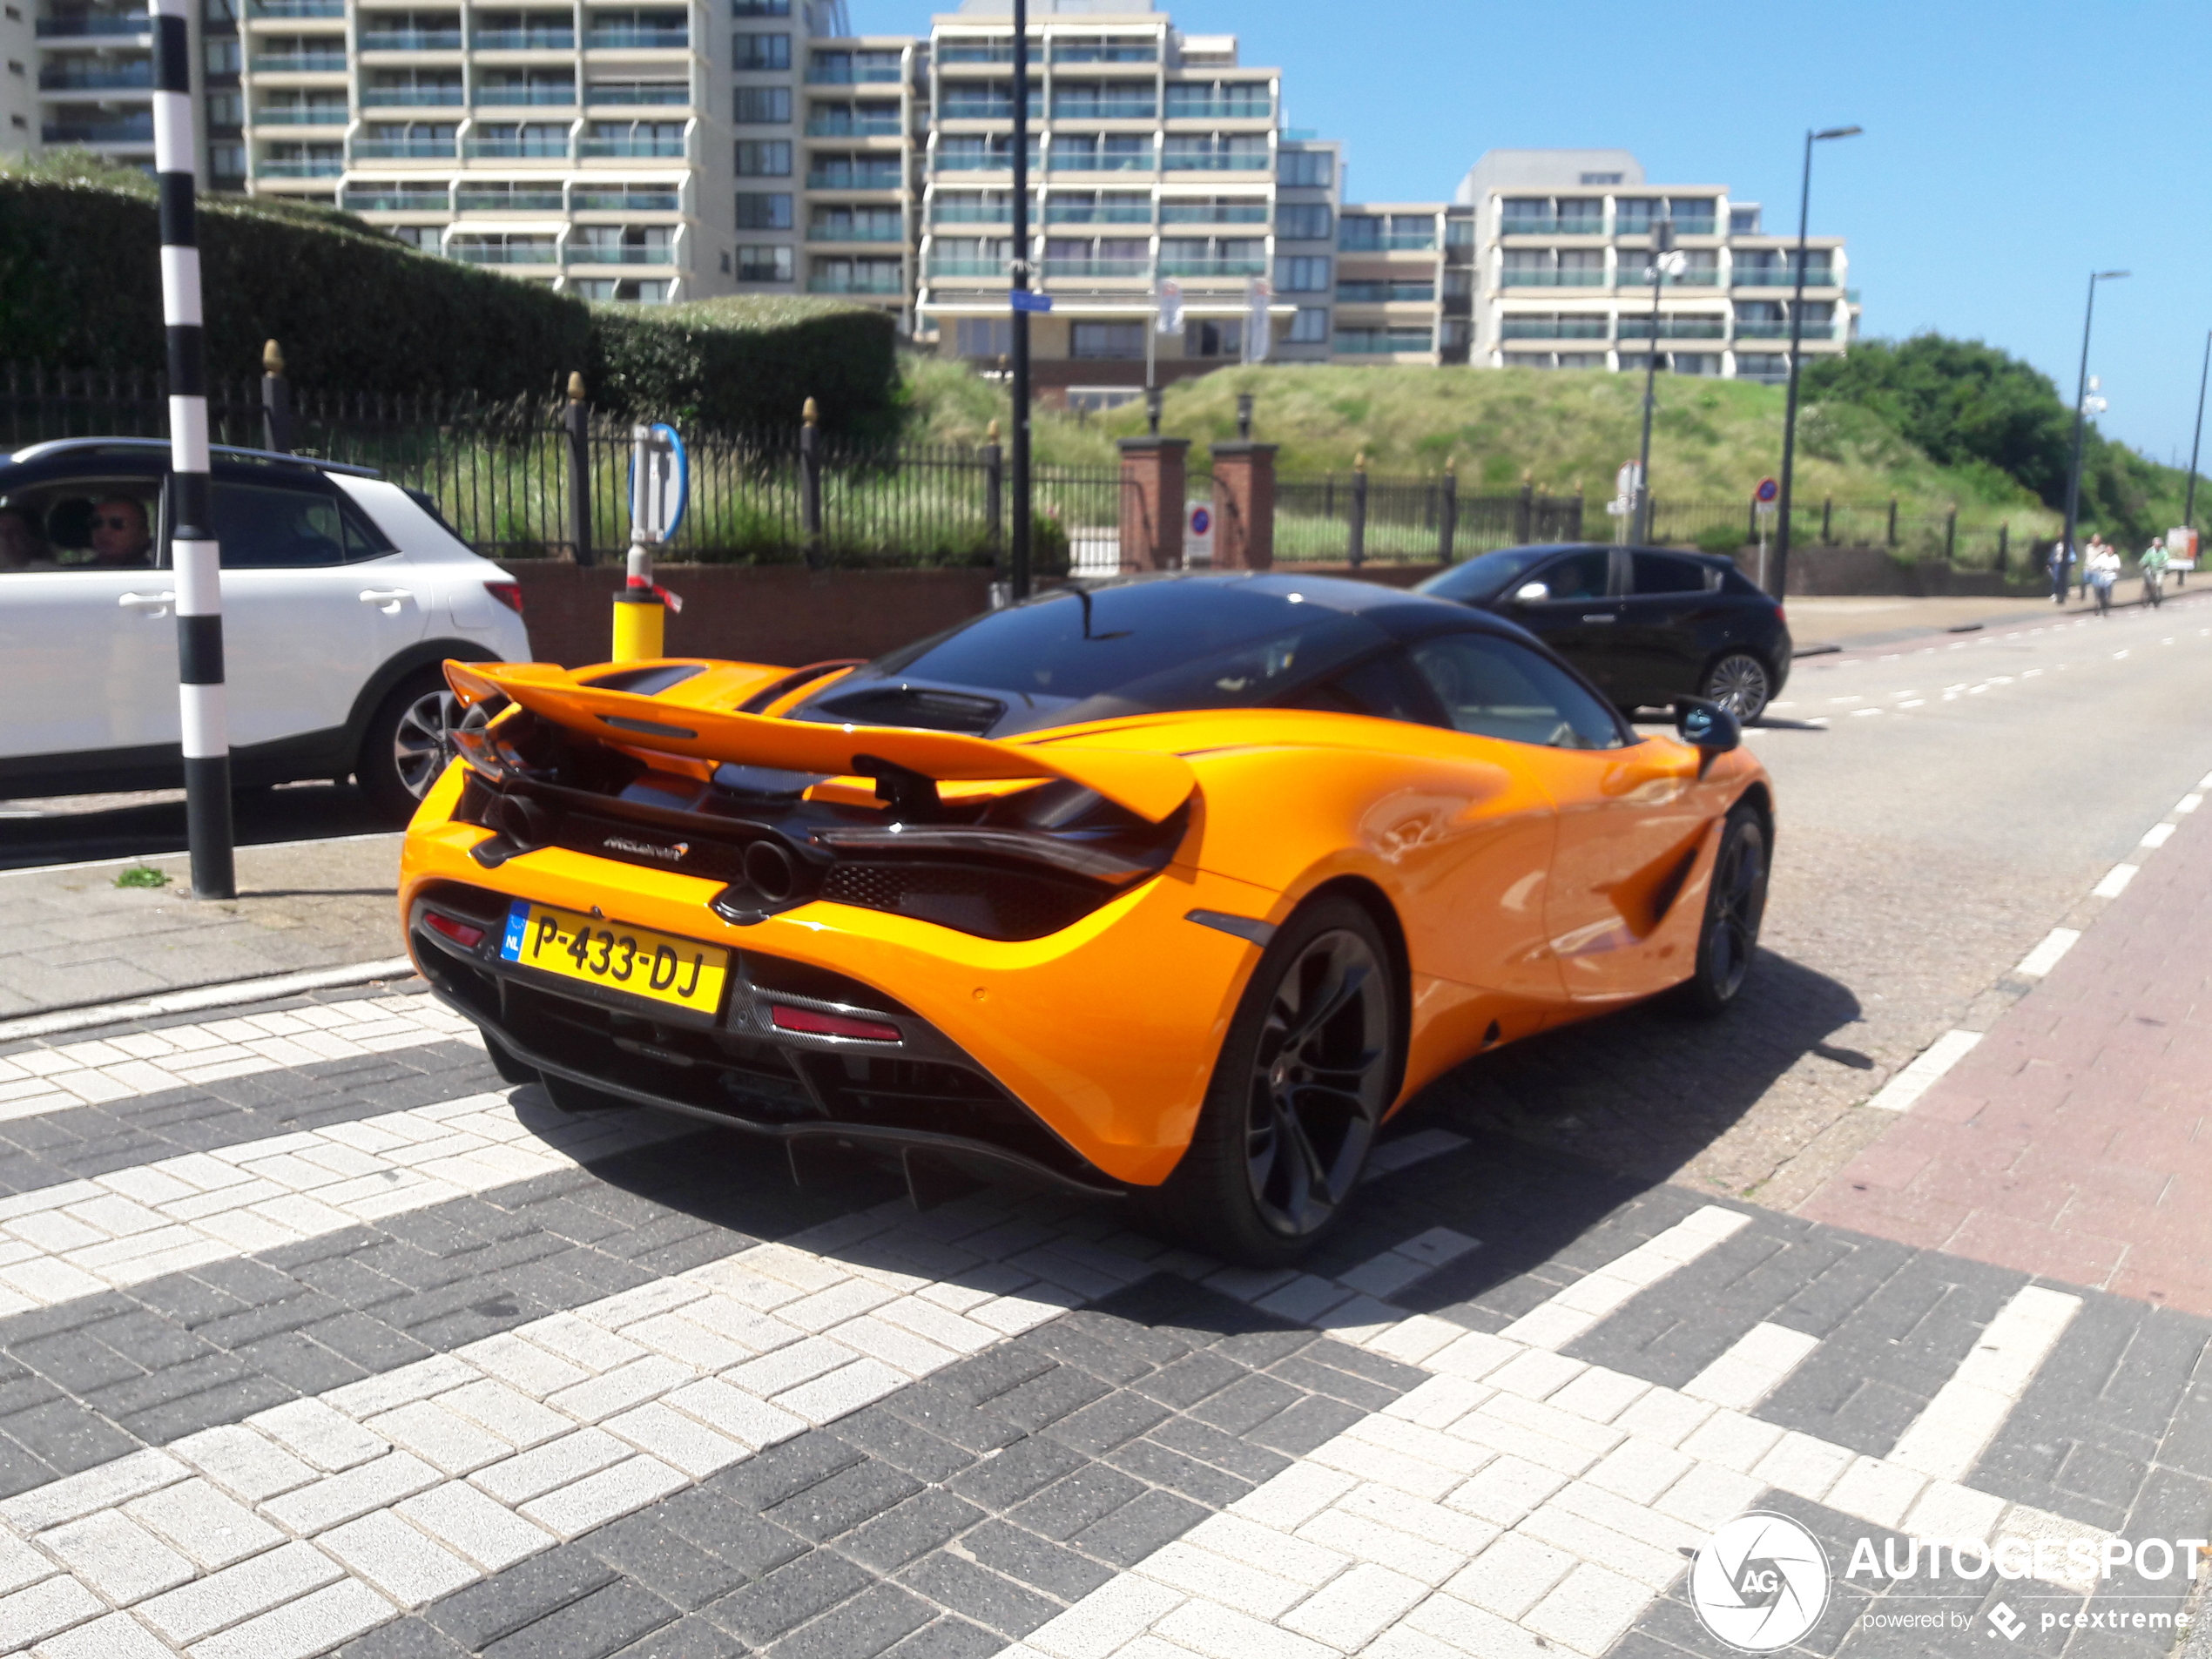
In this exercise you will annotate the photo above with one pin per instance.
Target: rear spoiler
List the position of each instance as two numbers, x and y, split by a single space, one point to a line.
1148 783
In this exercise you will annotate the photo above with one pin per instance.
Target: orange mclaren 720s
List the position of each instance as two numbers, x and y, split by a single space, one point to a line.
1171 888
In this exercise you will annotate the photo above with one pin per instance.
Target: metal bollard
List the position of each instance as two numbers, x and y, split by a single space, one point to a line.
640 618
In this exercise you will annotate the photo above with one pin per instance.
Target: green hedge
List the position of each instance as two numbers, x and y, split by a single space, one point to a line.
356 311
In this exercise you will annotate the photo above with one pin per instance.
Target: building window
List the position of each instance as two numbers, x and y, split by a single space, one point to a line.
1600 177
1118 340
228 109
1743 221
760 7
227 162
223 58
984 337
764 264
1305 222
1307 169
763 211
1302 276
760 52
1458 232
1222 339
1309 327
762 106
764 159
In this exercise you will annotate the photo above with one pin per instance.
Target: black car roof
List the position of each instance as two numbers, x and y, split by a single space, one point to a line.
150 456
1719 560
1396 611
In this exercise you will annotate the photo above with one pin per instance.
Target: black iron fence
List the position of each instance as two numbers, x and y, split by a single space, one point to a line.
548 479
1357 517
1985 539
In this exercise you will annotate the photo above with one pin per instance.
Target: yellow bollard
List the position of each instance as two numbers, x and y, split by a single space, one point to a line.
640 620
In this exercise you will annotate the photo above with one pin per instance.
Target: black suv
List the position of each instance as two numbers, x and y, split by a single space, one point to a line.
1646 624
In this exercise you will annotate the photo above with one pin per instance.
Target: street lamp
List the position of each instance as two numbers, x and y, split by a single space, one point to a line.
1796 334
1662 248
2189 507
1019 561
2081 414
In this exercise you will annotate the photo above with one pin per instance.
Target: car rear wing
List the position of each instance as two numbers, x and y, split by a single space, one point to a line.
1146 782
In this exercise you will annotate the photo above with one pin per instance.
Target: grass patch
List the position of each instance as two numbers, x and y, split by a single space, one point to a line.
142 875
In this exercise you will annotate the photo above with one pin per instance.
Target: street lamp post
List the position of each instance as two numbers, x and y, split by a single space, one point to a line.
1662 244
2189 507
1796 338
2082 412
1019 572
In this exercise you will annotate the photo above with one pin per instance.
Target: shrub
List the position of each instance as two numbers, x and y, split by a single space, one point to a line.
1720 539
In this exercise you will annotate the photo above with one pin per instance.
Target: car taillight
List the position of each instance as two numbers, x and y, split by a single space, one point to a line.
807 1020
507 593
1780 615
460 931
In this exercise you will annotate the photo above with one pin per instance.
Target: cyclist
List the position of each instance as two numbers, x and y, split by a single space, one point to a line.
2103 570
2153 565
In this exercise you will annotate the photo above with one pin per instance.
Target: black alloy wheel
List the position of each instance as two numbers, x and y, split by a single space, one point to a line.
410 743
1310 1066
1734 907
1740 684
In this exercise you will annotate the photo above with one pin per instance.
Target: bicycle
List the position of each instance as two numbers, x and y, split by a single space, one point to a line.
2153 589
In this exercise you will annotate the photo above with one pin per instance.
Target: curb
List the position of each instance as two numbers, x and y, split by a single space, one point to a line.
195 999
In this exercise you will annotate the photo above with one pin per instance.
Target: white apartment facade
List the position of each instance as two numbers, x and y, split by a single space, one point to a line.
79 74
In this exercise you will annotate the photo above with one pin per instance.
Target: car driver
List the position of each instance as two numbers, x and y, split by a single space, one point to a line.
120 536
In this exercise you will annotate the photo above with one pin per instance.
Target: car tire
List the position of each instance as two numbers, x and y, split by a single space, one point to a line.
1740 682
1735 904
576 1098
511 1070
1276 1153
408 744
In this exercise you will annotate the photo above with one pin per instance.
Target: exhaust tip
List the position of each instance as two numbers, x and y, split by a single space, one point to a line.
769 868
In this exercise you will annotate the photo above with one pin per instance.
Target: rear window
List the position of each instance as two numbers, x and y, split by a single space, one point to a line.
1663 573
1485 575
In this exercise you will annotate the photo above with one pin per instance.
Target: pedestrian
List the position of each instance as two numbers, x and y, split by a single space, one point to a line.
2062 569
2153 565
2100 570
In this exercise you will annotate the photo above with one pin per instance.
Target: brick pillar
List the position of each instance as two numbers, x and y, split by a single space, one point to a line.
1244 506
1153 474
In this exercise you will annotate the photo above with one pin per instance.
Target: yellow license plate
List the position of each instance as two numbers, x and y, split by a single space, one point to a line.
657 967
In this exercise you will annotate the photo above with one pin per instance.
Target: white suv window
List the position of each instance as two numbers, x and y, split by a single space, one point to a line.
87 522
272 527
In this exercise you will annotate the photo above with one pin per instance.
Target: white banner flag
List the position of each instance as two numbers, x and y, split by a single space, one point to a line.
1169 299
1259 326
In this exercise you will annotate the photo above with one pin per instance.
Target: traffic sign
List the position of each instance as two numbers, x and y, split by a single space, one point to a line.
1198 533
1023 300
660 484
1768 490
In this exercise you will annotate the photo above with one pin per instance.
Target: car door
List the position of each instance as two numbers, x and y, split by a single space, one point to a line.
1577 613
90 646
314 600
1670 618
1627 822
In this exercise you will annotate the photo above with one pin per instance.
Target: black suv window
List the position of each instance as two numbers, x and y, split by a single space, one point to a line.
87 522
1496 688
1663 573
272 527
1583 575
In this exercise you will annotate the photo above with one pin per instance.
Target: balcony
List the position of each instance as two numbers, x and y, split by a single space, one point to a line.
613 201
510 97
963 213
1383 345
853 126
411 40
1174 266
891 282
624 39
1063 162
1059 269
137 77
367 199
1634 276
1816 276
619 254
1763 329
304 115
314 167
1077 52
1577 328
1105 109
1674 328
133 130
1591 279
299 8
1549 225
503 252
403 149
412 98
855 178
832 230
507 146
846 75
1389 242
967 161
958 107
637 94
300 63
524 40
1219 109
983 51
1206 161
967 267
1207 213
1136 213
97 25
633 148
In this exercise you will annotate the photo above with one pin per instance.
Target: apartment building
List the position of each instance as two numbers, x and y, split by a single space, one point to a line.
79 73
1403 284
1562 258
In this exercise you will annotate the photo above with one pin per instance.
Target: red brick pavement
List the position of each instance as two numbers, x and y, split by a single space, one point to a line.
2075 1140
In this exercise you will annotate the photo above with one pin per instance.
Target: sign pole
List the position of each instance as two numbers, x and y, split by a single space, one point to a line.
1019 563
194 557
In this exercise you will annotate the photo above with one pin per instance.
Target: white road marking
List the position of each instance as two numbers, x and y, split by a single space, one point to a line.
2157 835
2117 655
2116 882
2189 803
1856 712
1559 1319
1949 1436
1915 703
2045 955
1902 1092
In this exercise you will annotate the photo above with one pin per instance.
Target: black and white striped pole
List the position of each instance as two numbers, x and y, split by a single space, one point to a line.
195 561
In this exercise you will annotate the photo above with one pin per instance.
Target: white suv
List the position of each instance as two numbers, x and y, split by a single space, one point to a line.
342 594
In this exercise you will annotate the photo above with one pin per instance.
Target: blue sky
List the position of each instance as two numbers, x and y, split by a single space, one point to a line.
2012 147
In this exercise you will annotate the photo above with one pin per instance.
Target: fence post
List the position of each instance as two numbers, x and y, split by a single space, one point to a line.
1892 520
578 423
995 498
810 481
1951 535
276 401
1153 489
1358 535
1827 518
1522 526
1448 529
2004 546
1751 524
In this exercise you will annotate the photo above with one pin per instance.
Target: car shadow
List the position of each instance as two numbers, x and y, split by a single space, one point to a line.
151 823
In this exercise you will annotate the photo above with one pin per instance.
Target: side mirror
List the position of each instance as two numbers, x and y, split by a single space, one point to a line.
1707 726
1531 593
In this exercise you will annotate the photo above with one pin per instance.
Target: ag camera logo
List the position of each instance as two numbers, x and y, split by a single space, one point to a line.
1760 1582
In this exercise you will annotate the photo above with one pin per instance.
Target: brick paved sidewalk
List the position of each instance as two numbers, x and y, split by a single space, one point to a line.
2075 1140
73 937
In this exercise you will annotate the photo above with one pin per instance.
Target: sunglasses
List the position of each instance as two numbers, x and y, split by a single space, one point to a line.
117 521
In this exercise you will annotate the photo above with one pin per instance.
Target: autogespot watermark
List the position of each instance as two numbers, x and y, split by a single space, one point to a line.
1762 1581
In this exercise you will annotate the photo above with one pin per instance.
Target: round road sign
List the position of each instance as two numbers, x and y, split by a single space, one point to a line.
1768 490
